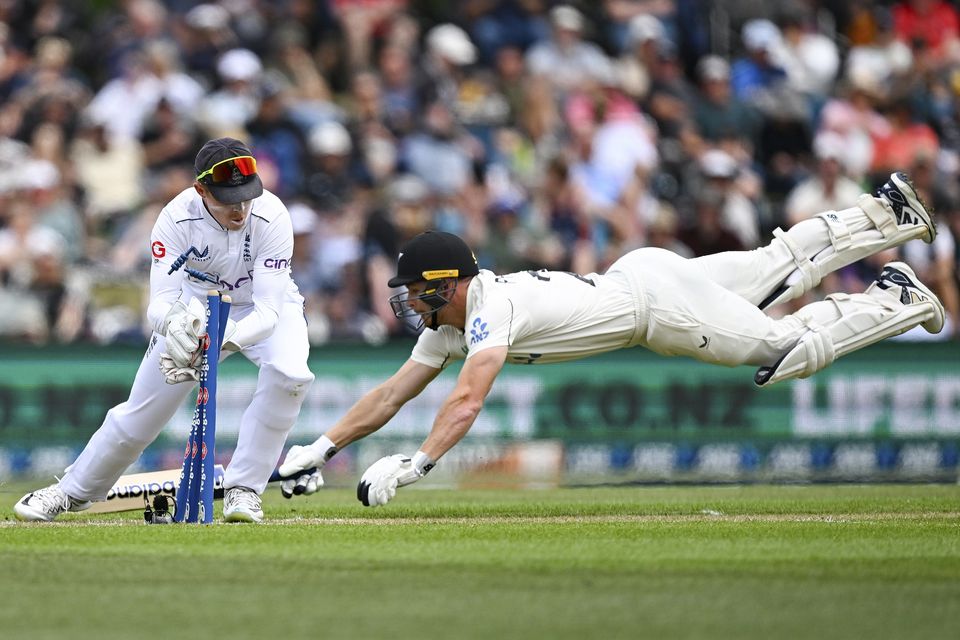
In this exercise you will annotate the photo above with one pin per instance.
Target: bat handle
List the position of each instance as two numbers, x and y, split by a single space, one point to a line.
181 260
276 477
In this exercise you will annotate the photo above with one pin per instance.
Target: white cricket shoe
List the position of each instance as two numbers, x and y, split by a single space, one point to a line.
912 291
46 504
907 206
241 504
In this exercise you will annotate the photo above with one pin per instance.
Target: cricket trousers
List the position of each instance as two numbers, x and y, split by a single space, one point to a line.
282 385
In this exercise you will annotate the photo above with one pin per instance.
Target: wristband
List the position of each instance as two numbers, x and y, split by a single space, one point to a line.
326 445
422 463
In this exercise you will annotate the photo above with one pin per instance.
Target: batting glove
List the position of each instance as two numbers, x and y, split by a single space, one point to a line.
185 326
174 374
379 484
301 467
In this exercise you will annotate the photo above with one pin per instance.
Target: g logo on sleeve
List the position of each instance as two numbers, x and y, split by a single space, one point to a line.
157 249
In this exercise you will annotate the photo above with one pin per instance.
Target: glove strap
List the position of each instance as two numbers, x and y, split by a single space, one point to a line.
329 449
422 463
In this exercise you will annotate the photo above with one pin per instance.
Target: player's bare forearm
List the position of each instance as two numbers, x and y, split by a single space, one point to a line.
369 414
463 405
381 403
452 423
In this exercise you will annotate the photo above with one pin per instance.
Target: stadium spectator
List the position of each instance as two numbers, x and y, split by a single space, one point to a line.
400 99
717 113
109 170
308 94
41 186
828 188
204 34
645 37
852 113
882 56
361 22
514 24
234 104
662 231
566 58
276 138
405 213
930 27
760 70
123 105
721 174
904 141
39 302
439 152
810 59
448 52
705 233
624 16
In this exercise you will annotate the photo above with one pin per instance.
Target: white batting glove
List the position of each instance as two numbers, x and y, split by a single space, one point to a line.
302 466
298 460
175 374
379 484
185 326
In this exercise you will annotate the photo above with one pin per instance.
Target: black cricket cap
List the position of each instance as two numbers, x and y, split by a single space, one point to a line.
241 188
434 255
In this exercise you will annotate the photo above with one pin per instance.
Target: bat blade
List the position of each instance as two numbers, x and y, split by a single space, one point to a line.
127 494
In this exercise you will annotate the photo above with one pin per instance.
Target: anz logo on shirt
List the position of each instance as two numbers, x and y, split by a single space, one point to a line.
478 331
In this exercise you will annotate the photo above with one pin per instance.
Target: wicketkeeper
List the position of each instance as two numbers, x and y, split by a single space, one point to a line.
242 241
709 308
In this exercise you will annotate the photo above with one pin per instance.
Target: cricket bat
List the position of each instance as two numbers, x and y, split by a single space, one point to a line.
130 490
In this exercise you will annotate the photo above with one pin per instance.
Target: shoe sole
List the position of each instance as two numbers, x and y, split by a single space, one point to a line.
934 324
240 516
29 516
915 202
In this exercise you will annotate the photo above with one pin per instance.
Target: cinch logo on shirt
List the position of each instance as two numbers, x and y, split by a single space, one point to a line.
478 331
276 263
239 283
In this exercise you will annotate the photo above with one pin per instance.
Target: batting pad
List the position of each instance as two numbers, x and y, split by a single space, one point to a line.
842 324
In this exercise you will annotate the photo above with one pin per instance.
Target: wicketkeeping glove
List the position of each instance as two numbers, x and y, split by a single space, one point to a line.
175 374
380 482
306 461
228 335
185 325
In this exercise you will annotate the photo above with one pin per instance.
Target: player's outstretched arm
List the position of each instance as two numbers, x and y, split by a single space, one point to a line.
380 482
369 414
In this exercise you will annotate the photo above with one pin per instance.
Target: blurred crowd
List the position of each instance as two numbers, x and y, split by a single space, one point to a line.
556 135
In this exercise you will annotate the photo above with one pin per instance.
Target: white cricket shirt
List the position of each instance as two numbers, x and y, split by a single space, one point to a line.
252 264
542 316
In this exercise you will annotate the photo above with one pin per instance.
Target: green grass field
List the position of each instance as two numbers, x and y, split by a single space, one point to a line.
621 562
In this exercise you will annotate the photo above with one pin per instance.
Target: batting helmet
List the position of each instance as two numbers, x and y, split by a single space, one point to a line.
439 259
434 255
